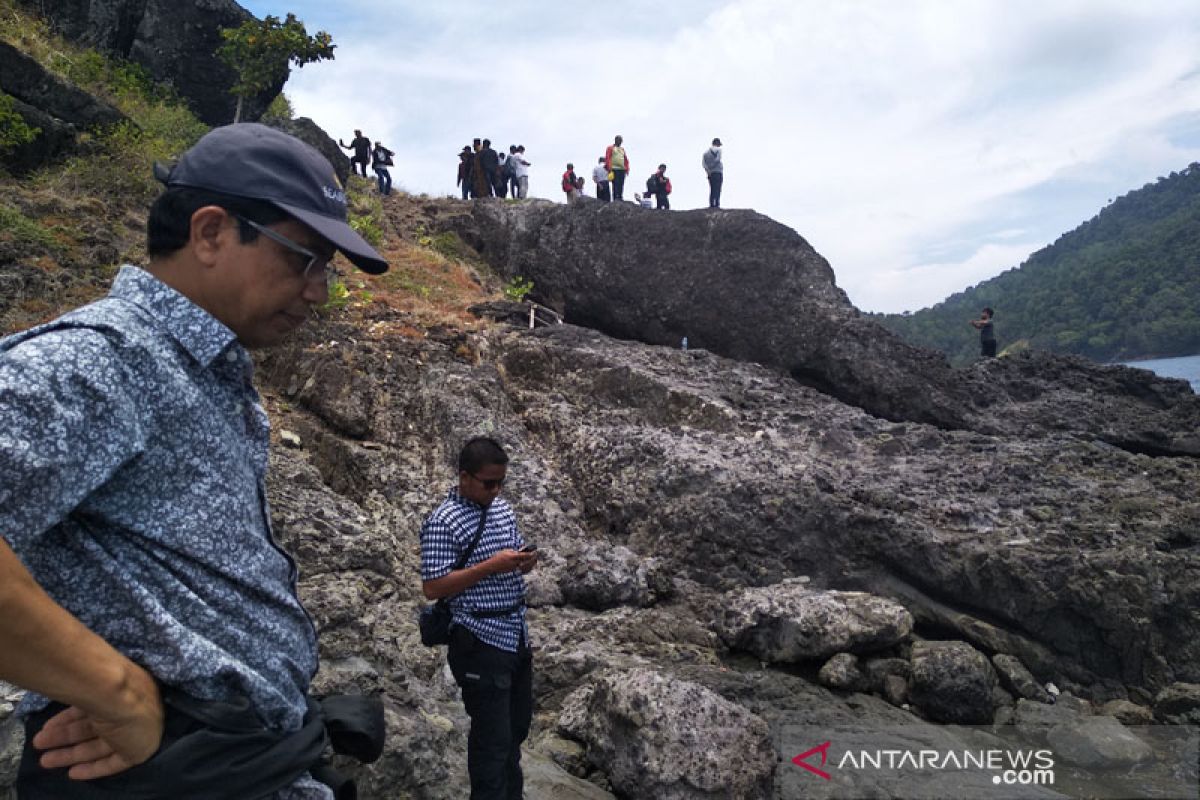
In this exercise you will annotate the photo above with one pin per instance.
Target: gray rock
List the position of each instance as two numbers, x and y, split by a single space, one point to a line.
309 132
1034 720
790 622
1179 703
842 672
1098 742
659 737
545 780
1016 677
12 742
769 297
895 690
598 578
175 41
1127 713
952 682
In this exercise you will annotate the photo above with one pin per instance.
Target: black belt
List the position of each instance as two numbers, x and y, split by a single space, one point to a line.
492 612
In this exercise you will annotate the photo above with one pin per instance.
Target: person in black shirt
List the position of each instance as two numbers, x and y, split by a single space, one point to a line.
361 146
987 336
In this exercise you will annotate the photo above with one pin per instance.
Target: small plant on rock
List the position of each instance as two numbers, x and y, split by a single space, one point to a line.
517 288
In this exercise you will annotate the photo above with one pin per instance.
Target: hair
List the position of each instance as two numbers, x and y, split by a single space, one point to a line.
520 148
716 142
512 148
487 142
618 139
479 453
169 226
662 166
989 312
601 160
570 165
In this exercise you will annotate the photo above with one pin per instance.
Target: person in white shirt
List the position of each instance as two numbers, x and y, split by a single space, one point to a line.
521 170
600 176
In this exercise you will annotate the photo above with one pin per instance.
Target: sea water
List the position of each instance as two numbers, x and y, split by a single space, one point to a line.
1186 367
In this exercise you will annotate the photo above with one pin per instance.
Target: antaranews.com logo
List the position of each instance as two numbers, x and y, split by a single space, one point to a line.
931 762
1007 767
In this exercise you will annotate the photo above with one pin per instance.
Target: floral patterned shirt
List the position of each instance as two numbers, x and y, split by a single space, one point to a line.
133 456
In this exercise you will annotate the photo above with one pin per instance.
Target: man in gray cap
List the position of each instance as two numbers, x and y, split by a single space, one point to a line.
144 601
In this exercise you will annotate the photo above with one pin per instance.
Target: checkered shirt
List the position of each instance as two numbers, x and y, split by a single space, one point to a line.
445 535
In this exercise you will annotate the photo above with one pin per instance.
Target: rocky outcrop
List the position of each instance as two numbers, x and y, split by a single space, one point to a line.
789 622
953 682
56 108
175 41
741 285
671 739
308 131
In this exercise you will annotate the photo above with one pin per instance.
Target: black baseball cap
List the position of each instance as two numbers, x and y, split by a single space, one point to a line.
261 163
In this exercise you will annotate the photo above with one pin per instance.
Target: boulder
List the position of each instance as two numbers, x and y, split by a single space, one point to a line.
55 107
1178 703
175 40
598 578
842 672
790 622
308 131
669 739
952 682
1127 713
1016 677
741 285
1098 742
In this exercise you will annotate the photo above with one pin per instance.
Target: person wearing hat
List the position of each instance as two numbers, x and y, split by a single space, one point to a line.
142 591
711 161
465 158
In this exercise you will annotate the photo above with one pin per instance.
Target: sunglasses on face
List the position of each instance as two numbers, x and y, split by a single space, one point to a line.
314 265
489 483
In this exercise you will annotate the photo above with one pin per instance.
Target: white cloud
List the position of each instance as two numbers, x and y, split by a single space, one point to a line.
899 139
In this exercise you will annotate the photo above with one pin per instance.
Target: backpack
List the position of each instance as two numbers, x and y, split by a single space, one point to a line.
510 166
651 185
568 182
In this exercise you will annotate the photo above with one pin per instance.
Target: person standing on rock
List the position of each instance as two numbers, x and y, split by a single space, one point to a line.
361 146
659 185
521 171
600 176
569 186
481 181
465 157
144 601
489 653
617 162
381 159
987 334
711 161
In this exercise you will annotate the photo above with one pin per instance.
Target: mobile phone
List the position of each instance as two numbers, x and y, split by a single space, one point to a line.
529 548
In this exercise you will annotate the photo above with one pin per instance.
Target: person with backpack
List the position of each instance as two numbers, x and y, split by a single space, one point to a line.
569 186
489 653
616 160
659 185
381 159
711 161
502 174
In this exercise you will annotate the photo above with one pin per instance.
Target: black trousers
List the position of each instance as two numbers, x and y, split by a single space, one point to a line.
497 690
361 162
663 202
714 189
602 192
618 184
987 348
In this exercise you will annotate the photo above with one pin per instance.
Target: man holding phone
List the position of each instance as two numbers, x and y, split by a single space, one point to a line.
489 650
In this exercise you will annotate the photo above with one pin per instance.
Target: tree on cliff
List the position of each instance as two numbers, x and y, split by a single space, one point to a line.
260 52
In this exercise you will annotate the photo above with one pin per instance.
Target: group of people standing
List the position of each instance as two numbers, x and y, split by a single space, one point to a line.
484 172
613 167
379 157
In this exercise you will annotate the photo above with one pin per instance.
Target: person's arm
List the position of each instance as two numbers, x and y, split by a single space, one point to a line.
68 420
460 580
115 715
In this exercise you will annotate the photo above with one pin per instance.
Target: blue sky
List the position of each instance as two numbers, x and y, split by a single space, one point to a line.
921 146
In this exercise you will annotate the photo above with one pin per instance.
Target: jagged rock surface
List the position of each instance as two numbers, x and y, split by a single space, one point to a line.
744 286
658 737
176 40
46 102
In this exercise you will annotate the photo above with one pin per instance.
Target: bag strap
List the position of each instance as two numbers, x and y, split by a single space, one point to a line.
466 556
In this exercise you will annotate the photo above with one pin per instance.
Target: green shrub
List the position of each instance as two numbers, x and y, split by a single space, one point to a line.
14 131
22 230
517 288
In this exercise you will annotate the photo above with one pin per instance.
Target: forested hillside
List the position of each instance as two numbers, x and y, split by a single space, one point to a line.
1122 286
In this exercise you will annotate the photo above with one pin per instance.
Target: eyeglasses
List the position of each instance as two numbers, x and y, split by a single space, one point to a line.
313 265
489 483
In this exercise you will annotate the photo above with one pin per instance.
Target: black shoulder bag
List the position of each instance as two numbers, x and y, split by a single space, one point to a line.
436 618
